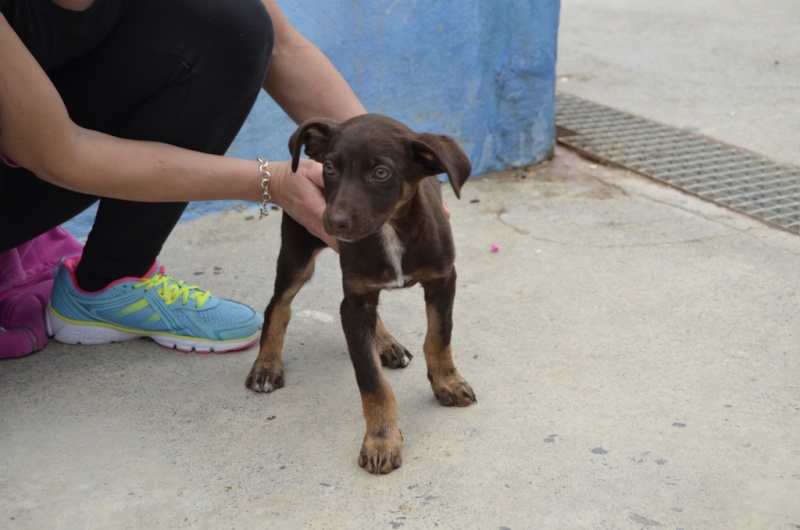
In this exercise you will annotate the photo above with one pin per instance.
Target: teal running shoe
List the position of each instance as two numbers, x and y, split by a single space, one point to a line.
173 314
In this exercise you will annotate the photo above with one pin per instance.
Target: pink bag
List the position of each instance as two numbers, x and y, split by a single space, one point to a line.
26 278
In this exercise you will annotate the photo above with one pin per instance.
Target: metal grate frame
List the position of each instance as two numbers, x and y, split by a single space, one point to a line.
711 170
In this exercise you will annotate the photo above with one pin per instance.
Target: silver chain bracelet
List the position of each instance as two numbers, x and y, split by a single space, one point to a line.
263 205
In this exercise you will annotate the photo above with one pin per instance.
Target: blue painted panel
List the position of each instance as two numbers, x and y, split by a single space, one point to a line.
482 72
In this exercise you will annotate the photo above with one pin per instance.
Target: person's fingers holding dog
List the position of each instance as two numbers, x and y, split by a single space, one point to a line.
300 195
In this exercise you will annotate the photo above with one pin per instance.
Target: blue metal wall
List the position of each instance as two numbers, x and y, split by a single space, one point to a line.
481 71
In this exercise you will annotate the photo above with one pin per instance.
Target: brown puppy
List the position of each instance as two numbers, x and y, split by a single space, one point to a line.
384 204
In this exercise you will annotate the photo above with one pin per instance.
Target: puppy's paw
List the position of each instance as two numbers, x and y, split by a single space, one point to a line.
452 390
382 451
265 376
393 354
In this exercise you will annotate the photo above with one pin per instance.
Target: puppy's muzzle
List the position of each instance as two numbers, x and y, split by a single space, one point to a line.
348 225
339 222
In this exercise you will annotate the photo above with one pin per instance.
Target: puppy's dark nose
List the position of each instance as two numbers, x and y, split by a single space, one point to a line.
340 221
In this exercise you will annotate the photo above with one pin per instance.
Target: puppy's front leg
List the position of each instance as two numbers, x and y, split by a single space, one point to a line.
448 385
381 451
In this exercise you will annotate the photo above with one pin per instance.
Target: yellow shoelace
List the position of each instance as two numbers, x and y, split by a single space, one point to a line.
171 290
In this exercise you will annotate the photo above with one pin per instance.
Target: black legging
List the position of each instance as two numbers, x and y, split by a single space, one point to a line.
176 71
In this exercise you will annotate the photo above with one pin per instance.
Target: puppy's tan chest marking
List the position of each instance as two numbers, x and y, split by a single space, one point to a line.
393 248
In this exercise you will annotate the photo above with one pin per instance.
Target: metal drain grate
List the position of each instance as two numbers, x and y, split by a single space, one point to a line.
725 175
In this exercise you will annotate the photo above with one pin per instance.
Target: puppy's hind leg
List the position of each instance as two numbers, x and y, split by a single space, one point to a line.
393 354
298 252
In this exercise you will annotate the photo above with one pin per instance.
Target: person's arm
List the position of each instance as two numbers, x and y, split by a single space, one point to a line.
37 133
302 80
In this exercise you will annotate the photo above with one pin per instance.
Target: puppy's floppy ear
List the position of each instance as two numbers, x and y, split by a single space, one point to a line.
315 134
438 153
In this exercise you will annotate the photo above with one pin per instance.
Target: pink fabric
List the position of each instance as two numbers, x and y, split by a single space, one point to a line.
26 278
7 161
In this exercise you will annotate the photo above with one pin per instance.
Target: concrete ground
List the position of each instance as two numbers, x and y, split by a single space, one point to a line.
726 69
634 351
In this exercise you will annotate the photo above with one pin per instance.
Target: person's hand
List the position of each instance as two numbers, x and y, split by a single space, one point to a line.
300 195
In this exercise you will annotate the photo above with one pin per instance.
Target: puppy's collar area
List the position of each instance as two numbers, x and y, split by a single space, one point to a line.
393 248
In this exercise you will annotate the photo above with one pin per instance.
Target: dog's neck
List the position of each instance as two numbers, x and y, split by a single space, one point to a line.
394 249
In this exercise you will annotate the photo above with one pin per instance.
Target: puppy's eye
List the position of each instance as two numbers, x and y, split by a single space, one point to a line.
380 173
329 169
